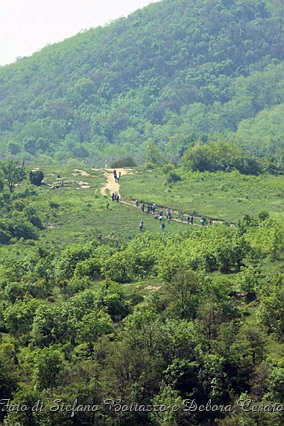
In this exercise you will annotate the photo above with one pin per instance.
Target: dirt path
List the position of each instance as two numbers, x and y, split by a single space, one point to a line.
111 185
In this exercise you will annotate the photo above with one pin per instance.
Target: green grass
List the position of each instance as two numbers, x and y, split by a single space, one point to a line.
225 196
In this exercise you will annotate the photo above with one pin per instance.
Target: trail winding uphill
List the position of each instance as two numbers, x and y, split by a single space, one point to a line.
111 185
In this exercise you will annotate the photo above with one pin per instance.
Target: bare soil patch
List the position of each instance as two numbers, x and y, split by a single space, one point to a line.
80 172
111 185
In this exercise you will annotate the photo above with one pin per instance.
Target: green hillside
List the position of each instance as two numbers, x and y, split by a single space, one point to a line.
111 313
105 324
174 69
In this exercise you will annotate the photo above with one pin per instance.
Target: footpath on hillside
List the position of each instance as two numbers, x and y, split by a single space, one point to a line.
112 185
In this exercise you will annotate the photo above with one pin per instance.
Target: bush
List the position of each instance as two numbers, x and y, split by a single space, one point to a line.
19 205
173 177
36 176
88 268
168 168
149 165
124 162
4 237
36 221
22 230
54 205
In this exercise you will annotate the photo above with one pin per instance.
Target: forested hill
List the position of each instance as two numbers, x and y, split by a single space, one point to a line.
167 73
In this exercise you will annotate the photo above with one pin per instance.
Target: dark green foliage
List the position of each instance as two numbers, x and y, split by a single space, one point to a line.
124 162
5 237
19 221
173 177
8 380
20 229
90 267
54 205
69 260
220 156
13 173
36 177
49 368
112 299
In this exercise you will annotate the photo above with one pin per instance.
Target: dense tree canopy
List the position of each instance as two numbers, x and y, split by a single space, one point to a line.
171 69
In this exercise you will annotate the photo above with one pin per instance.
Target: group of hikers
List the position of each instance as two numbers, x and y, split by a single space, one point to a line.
116 176
152 208
115 196
159 215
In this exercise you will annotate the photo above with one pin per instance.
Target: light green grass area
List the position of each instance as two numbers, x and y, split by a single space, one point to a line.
224 196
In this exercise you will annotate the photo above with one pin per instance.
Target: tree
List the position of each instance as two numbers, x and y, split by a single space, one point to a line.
13 173
182 292
123 162
14 148
36 176
153 154
9 375
19 316
49 368
93 325
49 325
271 310
112 299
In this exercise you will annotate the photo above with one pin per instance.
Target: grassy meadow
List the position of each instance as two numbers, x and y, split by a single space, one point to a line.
224 196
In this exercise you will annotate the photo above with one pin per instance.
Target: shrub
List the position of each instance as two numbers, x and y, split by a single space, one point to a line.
89 268
150 165
36 221
54 205
22 230
173 177
168 168
4 237
36 176
124 162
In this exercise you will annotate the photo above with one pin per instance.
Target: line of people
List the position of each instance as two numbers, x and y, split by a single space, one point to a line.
152 208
